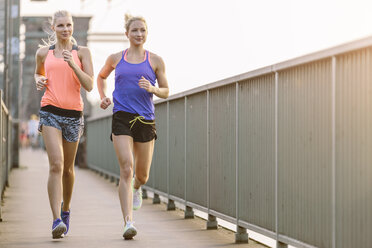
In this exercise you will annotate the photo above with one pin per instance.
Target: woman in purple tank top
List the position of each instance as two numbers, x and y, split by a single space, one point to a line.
133 122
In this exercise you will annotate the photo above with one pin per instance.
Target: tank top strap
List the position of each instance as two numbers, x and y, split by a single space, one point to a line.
148 58
124 54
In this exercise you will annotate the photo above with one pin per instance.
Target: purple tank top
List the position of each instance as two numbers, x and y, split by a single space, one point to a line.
128 96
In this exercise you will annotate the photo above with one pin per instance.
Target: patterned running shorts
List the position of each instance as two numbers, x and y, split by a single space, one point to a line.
72 127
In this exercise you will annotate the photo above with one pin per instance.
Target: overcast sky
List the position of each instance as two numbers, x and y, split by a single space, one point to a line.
202 41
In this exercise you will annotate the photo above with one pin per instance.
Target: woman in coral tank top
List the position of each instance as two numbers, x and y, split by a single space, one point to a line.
133 121
62 68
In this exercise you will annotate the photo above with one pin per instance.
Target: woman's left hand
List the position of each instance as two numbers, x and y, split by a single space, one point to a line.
145 84
67 56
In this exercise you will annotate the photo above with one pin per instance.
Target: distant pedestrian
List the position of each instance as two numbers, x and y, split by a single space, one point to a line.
62 68
33 133
133 121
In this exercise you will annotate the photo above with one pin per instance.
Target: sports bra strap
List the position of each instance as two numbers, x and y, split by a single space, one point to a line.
74 47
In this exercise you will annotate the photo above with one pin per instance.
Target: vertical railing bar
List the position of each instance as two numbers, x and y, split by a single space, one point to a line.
1 142
1 149
9 143
153 168
237 151
185 151
276 155
208 148
168 174
334 151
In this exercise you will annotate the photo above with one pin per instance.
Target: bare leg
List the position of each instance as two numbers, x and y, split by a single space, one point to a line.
53 143
142 156
123 145
68 178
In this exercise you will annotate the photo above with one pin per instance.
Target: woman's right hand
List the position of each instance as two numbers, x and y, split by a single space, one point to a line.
41 82
105 102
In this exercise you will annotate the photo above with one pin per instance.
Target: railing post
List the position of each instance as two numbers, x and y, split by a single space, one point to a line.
281 245
112 179
334 61
212 222
276 156
144 194
156 199
171 206
1 149
189 213
241 235
9 146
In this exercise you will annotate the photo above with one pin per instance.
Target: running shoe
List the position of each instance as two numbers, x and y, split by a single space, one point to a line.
137 197
129 230
65 216
58 228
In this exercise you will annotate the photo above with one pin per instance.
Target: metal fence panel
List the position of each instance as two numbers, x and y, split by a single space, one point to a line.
223 150
196 149
354 149
177 148
101 150
110 158
3 150
303 148
5 142
160 151
305 153
257 151
2 43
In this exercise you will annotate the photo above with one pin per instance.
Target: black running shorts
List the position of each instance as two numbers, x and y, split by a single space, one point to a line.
134 125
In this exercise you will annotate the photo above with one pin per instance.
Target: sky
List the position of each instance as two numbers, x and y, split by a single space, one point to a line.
203 41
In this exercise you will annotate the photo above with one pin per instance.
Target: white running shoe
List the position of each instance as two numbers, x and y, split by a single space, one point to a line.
137 197
129 230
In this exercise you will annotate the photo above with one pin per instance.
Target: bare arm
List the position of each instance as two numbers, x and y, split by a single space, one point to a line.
163 90
84 75
106 70
39 76
159 67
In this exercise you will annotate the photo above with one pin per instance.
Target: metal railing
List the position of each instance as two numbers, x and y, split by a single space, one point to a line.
5 146
284 150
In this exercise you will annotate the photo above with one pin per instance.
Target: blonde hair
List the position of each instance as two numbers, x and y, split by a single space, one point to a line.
52 38
129 19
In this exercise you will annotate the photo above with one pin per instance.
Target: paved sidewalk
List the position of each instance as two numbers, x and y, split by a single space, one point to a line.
95 215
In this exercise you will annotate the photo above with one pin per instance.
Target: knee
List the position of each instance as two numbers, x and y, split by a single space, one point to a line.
68 172
56 166
142 178
126 171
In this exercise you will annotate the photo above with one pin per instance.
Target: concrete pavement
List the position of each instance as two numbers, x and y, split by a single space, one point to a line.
95 215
